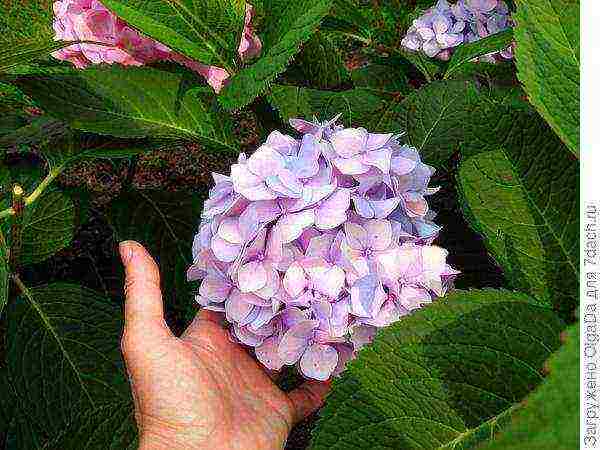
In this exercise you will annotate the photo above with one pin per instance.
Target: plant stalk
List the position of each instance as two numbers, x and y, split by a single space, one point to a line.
16 228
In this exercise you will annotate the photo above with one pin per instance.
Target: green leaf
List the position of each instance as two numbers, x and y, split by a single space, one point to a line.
208 31
320 64
64 354
40 131
547 57
549 417
292 24
28 51
429 67
8 403
18 431
357 106
108 427
437 375
48 223
165 224
432 117
133 103
467 52
48 226
386 75
26 32
20 21
348 18
524 199
4 277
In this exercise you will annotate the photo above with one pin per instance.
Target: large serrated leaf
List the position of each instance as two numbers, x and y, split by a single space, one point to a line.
132 103
524 199
63 353
440 373
108 427
547 57
549 416
165 224
27 51
320 64
21 21
467 52
17 430
383 75
26 32
48 223
48 226
357 106
208 31
432 118
291 25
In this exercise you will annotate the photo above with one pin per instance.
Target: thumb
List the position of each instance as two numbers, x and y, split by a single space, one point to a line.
144 315
308 398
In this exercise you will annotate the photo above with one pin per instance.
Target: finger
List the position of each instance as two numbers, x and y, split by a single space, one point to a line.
144 315
203 319
308 398
210 316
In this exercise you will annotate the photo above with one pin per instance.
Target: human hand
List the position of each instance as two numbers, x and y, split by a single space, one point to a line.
200 390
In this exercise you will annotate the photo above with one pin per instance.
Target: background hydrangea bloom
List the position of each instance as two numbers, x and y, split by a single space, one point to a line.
89 20
445 26
311 244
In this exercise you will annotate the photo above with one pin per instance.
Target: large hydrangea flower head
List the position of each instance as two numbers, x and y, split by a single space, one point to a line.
445 26
118 43
313 243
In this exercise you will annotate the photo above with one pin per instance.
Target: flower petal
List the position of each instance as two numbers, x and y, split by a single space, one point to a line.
265 161
382 159
380 234
223 250
349 141
378 140
333 211
294 280
215 288
295 340
383 208
245 336
236 309
356 236
319 361
292 225
252 276
230 231
351 166
367 296
267 353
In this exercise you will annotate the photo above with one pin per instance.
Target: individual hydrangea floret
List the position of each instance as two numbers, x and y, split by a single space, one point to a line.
313 243
444 26
89 20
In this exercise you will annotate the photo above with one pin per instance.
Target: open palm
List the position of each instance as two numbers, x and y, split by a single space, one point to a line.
200 390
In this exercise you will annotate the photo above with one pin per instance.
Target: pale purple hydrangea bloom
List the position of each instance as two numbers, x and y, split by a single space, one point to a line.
445 26
312 244
89 20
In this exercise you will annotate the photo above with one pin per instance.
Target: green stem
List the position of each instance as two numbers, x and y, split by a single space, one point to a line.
356 37
16 229
5 250
20 285
36 193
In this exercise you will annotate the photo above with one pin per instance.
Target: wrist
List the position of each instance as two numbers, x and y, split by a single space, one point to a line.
154 441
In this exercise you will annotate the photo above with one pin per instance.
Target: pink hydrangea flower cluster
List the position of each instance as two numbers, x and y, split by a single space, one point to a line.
89 20
444 26
312 244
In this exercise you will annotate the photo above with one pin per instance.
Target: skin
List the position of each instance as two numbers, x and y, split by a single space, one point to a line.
199 390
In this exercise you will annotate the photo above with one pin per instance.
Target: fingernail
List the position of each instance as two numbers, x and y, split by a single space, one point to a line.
126 252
